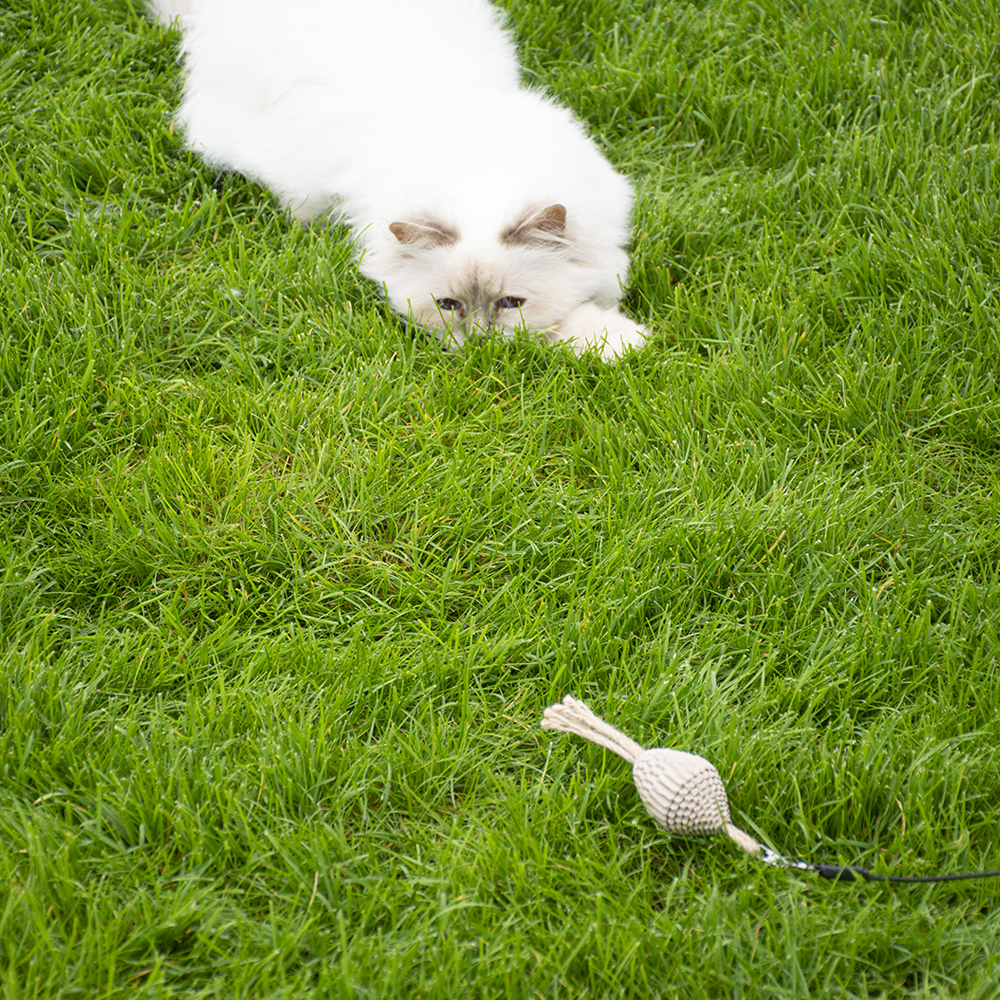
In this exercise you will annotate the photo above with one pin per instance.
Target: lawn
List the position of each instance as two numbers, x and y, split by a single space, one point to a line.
285 588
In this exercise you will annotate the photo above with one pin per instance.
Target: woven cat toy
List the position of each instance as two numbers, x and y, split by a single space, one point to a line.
684 793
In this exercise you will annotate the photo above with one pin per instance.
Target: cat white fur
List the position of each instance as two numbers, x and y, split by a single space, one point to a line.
475 202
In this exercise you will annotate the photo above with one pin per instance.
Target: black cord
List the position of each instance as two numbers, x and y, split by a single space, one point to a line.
847 873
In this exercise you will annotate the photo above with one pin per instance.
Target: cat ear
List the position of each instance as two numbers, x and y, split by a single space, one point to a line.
545 227
417 237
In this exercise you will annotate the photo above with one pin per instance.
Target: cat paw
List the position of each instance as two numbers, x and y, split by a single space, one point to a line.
609 330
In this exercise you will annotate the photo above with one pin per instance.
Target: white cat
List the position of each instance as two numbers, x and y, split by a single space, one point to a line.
478 204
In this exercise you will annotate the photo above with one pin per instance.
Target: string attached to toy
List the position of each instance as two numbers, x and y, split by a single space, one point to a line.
684 794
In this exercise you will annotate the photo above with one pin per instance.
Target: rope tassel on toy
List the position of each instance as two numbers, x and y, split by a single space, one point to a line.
684 794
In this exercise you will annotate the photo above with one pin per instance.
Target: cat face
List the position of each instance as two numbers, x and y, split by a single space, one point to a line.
527 275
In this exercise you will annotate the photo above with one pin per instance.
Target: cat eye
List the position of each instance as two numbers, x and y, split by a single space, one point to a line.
508 302
448 305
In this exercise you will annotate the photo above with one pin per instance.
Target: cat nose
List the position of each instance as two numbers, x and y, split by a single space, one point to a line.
484 318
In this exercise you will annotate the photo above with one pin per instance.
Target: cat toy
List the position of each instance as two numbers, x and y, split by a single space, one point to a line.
684 794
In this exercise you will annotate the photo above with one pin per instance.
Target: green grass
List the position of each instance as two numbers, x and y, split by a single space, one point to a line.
284 589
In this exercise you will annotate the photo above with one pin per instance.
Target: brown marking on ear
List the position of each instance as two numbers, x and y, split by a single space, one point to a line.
421 237
546 226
